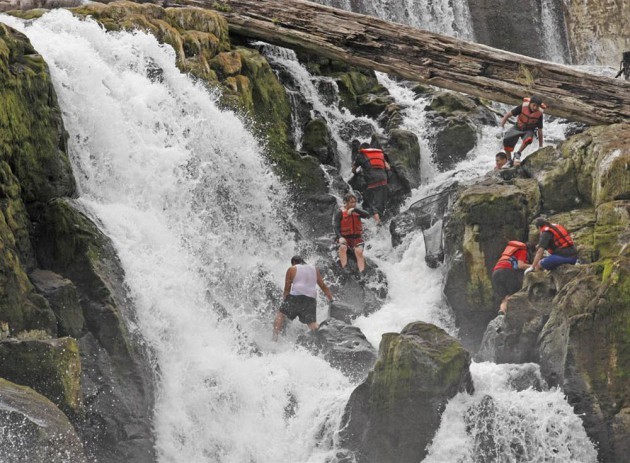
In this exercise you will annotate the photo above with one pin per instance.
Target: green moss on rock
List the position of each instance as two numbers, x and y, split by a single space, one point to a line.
51 367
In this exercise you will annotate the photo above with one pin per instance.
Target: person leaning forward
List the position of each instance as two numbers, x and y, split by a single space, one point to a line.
300 295
529 118
507 277
349 231
557 241
374 165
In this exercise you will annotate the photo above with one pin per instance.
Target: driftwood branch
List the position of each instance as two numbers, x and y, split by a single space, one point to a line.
423 56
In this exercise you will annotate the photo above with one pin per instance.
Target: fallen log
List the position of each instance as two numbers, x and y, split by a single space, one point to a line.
422 56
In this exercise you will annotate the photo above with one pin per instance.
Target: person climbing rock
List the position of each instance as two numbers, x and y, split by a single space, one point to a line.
374 165
624 66
300 295
529 121
500 160
557 241
349 231
507 277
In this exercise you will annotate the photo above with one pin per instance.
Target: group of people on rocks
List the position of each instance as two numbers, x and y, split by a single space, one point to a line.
302 279
517 259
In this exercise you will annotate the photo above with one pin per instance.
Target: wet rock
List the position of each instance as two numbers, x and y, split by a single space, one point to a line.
393 415
34 430
50 367
62 296
318 142
344 346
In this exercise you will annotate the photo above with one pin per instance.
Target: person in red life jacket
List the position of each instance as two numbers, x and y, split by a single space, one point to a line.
374 165
300 295
529 118
501 160
557 241
507 277
349 230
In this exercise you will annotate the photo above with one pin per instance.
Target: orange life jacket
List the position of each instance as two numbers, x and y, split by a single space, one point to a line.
528 119
351 226
375 156
515 249
561 238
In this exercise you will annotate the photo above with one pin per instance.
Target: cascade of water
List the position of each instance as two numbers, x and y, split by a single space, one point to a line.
192 209
554 32
442 16
320 96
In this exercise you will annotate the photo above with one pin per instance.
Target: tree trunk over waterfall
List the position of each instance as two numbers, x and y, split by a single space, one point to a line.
423 56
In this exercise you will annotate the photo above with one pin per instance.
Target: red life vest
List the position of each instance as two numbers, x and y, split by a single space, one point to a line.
351 226
375 156
561 237
528 119
514 249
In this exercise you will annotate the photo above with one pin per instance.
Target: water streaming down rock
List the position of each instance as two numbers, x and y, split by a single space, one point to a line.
182 190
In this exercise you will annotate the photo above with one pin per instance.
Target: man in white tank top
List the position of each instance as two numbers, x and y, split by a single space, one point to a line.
300 295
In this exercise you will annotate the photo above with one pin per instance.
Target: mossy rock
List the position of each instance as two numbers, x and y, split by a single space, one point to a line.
452 142
373 106
403 150
35 429
32 135
227 64
318 142
612 228
356 83
393 415
51 367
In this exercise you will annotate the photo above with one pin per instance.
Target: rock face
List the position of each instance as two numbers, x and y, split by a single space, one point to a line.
573 321
32 426
60 275
393 415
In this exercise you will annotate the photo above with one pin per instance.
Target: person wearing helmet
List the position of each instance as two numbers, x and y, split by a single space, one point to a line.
529 121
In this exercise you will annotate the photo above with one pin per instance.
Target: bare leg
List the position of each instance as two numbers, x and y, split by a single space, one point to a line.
377 219
343 255
503 306
278 324
358 253
313 326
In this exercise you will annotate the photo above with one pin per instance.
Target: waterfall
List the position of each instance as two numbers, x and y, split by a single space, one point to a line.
442 16
196 217
199 222
554 32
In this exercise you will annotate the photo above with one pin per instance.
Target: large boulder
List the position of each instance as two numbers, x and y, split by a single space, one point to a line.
116 380
51 367
344 346
393 415
484 218
34 430
455 119
584 348
317 141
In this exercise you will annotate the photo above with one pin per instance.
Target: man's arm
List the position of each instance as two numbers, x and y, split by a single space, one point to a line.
363 214
539 254
288 281
322 285
512 112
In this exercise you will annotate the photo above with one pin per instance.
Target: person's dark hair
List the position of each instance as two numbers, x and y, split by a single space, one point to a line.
536 99
541 222
297 260
348 196
501 155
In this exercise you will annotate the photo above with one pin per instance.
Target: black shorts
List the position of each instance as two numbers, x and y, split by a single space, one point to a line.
376 198
506 282
512 136
303 307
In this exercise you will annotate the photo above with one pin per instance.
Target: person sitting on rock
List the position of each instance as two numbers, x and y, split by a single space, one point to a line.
374 165
557 241
349 231
529 120
507 277
501 160
300 295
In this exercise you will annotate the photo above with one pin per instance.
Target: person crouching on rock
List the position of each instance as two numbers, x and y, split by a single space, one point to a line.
557 241
300 295
507 277
349 231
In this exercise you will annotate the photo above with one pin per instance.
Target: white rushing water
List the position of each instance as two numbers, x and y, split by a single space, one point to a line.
197 219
